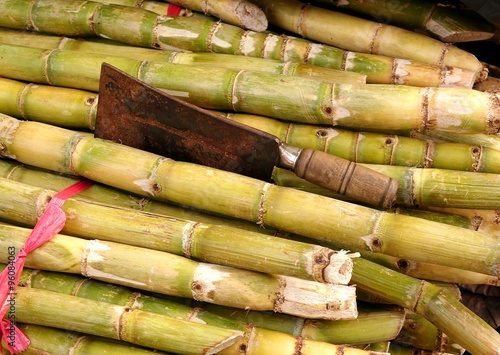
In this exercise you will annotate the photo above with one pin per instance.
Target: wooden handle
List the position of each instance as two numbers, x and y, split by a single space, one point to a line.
346 178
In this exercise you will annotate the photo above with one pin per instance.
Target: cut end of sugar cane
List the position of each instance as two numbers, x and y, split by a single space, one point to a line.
453 26
251 17
315 300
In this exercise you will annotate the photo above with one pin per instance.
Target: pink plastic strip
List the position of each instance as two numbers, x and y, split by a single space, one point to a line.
50 223
173 10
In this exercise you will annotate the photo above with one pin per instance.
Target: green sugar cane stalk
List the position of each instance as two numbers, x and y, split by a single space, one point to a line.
447 23
377 148
349 225
429 271
103 194
60 106
481 220
407 292
425 188
357 34
413 268
210 243
107 195
178 276
436 304
371 324
109 293
48 340
35 306
374 323
486 140
240 13
286 97
198 34
77 109
158 7
420 333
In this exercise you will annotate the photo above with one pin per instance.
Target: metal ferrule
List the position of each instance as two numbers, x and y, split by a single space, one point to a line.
288 155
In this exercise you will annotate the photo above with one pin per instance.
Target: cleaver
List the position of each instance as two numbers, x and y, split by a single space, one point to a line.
139 115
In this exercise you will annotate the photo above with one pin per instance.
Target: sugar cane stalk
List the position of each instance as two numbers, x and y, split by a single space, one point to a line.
55 105
198 34
446 23
356 34
426 187
372 323
32 39
349 225
437 305
385 323
107 195
151 330
286 97
241 13
158 7
491 141
420 333
109 293
482 220
48 340
76 109
174 275
217 244
378 148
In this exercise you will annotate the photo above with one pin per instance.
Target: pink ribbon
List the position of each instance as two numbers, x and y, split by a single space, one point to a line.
50 223
173 10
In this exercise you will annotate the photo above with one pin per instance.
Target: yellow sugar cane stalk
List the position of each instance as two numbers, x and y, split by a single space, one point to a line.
103 194
377 148
35 40
433 302
296 99
60 106
413 268
241 13
491 141
357 34
76 109
372 323
482 220
49 340
158 7
420 333
425 188
429 271
107 195
198 34
109 293
178 276
218 244
350 225
151 330
447 23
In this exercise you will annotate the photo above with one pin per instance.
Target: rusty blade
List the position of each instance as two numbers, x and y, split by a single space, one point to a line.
136 114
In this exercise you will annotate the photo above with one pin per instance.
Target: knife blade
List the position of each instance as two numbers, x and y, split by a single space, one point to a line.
136 114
